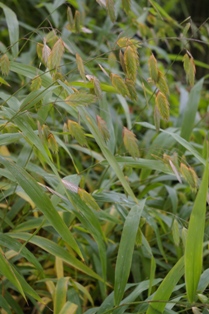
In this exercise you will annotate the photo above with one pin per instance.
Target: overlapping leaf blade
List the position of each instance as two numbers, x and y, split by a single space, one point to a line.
56 250
42 201
163 293
126 248
194 241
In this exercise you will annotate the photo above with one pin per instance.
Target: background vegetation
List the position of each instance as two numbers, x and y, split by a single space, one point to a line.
103 154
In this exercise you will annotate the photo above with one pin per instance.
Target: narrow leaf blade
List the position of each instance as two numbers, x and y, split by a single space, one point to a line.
60 294
166 287
126 248
13 28
35 192
191 110
7 270
194 241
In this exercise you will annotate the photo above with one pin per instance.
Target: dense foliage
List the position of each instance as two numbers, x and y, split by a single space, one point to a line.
103 154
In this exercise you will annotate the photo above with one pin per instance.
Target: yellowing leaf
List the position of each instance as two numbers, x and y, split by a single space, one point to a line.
4 151
77 132
69 308
130 60
162 105
119 84
103 128
162 84
130 142
190 176
88 199
56 54
4 65
111 9
153 68
36 83
80 99
80 66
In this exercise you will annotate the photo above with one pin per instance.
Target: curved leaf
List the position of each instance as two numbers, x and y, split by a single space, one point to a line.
56 250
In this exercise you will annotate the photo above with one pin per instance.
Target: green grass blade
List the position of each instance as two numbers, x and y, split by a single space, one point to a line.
12 244
35 96
60 294
26 287
4 305
126 248
186 145
194 241
163 293
30 72
108 304
152 273
22 121
104 87
161 12
106 152
142 163
9 138
126 109
90 221
35 192
106 115
179 139
191 110
204 281
13 28
56 250
13 303
199 63
7 270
